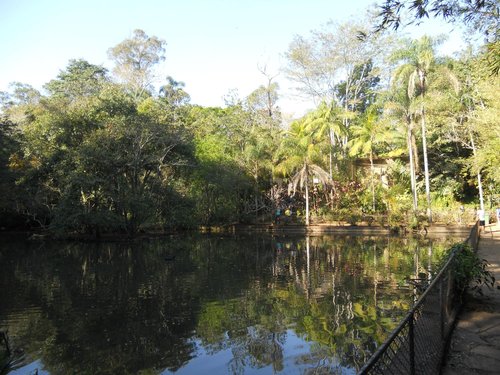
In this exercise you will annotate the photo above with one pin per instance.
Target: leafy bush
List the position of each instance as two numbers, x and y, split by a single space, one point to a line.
470 270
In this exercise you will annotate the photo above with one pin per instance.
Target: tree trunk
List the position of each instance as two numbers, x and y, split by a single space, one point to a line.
375 279
479 182
426 165
413 177
307 198
331 169
256 191
480 188
372 169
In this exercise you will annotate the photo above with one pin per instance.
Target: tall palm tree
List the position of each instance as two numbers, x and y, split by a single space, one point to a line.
418 58
298 156
399 108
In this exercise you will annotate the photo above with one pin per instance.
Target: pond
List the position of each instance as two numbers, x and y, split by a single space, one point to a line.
207 304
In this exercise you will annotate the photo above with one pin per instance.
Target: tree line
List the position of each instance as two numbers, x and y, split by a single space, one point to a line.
105 151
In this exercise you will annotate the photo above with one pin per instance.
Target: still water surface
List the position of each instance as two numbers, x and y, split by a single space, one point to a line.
223 305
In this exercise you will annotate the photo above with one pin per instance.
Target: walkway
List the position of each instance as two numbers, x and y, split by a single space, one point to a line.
475 342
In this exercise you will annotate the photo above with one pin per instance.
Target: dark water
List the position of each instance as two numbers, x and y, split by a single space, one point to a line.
224 305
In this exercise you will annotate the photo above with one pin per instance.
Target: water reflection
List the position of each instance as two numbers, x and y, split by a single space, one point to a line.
222 305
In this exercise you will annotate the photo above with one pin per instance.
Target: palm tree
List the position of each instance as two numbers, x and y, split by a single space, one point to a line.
327 121
256 157
297 159
369 133
418 58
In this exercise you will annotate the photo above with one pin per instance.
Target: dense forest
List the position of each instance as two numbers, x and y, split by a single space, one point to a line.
399 135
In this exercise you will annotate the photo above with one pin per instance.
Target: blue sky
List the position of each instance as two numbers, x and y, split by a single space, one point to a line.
213 46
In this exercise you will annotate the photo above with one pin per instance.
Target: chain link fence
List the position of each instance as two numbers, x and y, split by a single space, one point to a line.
418 344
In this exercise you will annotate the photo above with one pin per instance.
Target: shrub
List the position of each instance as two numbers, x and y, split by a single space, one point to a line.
470 270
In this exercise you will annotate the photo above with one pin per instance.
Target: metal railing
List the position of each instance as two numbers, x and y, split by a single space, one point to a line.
418 344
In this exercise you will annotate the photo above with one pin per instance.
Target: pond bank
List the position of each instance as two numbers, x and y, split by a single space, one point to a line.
329 228
270 228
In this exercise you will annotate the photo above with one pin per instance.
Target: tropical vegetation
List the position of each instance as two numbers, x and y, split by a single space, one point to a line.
400 135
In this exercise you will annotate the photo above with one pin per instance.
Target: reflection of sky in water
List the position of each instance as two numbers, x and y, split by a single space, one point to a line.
295 358
35 367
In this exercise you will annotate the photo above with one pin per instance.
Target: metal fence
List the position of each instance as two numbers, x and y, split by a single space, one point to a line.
418 344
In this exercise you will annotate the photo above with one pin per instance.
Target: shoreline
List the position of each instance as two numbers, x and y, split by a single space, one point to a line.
264 228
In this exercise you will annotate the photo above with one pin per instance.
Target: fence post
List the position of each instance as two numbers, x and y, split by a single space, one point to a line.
411 337
442 305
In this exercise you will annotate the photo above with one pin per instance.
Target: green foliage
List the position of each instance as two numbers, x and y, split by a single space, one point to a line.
470 271
93 161
80 78
9 192
217 184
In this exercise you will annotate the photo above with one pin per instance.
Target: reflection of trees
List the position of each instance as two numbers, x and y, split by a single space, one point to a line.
259 348
111 313
121 308
330 296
